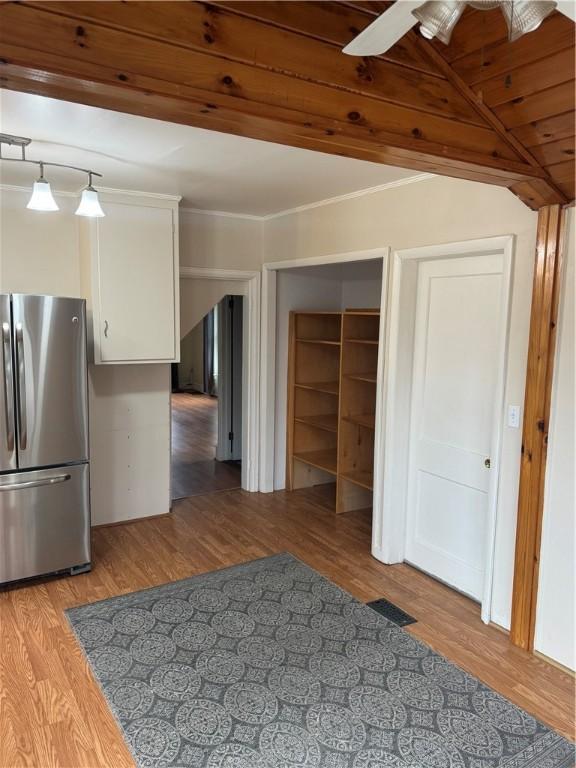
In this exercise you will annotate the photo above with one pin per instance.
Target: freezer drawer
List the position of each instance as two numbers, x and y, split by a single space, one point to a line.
44 522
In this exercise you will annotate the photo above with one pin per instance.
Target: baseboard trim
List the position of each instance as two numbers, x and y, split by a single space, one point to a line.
555 663
130 520
539 655
499 627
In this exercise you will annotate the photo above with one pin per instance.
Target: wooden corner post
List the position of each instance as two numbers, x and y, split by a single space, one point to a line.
541 349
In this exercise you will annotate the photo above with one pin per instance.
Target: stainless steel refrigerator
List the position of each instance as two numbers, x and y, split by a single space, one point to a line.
44 470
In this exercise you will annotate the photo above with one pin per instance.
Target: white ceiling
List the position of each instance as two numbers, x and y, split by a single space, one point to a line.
213 171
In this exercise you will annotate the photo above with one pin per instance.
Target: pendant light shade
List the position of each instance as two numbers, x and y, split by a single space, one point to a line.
438 19
42 199
90 204
524 16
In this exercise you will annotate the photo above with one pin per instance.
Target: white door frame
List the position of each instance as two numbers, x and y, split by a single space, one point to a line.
268 336
394 398
248 286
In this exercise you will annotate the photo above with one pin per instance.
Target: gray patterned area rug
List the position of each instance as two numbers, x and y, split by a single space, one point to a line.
270 665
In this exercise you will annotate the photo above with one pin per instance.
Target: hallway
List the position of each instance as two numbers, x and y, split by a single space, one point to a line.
195 470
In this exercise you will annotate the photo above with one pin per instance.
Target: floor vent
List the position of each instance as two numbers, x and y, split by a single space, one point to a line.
391 612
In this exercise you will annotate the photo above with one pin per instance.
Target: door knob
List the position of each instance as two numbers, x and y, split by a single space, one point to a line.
487 462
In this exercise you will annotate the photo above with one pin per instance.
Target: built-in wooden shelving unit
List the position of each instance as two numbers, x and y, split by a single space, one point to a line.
333 358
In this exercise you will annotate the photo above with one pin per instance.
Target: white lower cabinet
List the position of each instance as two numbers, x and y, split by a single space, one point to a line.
130 279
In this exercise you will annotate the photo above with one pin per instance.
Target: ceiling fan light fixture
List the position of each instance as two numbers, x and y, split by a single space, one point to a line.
425 32
438 18
523 16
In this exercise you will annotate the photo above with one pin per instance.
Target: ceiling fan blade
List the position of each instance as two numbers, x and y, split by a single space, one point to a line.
567 7
385 31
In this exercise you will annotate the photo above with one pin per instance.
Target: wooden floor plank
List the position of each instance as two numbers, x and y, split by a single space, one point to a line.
52 712
194 437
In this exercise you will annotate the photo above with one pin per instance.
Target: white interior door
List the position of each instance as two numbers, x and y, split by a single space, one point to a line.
457 343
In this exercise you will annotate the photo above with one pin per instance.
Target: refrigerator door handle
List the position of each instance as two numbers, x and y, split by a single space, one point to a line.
21 374
8 385
54 480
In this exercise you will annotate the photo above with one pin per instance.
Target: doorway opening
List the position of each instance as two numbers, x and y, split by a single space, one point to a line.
207 403
301 418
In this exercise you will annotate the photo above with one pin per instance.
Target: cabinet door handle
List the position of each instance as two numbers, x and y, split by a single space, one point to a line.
106 328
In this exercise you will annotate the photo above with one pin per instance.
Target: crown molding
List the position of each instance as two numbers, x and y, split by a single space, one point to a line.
28 190
316 204
352 195
223 214
246 216
102 190
136 193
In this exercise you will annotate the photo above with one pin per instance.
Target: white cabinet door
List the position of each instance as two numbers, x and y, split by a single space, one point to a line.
136 284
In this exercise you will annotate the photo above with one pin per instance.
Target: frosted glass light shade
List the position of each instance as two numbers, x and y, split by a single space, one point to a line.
522 16
90 204
42 199
438 18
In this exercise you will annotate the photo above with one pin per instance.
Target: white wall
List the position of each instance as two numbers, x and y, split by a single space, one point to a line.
332 287
199 295
191 365
129 405
38 251
438 210
220 242
556 607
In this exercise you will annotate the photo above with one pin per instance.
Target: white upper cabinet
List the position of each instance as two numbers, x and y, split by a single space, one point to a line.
130 279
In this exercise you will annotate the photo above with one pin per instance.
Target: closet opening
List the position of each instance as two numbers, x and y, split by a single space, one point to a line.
327 342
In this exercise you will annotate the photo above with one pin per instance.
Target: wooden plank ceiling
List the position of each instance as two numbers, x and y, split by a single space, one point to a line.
482 108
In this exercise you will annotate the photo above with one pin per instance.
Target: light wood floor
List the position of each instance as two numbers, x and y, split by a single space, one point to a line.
51 710
194 437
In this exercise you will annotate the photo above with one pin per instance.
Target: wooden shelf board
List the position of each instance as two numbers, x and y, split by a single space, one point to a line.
363 312
369 377
359 477
328 387
328 312
325 459
320 341
362 419
327 421
374 342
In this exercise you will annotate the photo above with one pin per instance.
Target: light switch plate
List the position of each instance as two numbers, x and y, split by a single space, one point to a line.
514 416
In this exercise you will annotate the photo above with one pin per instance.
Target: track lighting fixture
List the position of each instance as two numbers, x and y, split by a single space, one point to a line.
89 202
42 198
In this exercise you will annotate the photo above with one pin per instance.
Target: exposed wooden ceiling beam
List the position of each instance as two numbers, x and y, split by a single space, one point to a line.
196 30
280 76
545 190
222 113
